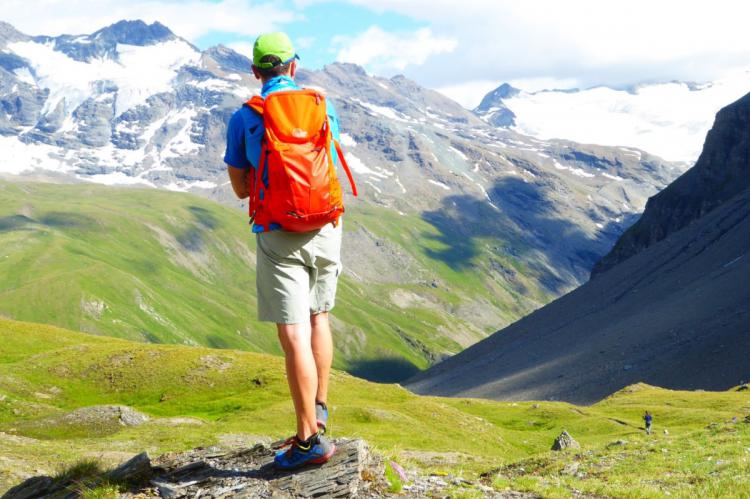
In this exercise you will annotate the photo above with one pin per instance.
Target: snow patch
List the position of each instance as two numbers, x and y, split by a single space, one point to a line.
18 157
459 153
138 72
347 140
379 191
24 75
575 171
360 168
382 111
613 177
439 184
667 119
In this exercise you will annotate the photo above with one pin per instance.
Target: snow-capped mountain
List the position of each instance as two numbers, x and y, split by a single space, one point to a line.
447 200
667 119
118 106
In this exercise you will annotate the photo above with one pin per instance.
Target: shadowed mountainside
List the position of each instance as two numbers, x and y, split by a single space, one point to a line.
675 314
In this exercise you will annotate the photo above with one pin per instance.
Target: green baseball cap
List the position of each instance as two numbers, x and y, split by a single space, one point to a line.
277 44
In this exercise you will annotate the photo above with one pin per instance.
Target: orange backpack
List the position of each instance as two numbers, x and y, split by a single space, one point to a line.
302 191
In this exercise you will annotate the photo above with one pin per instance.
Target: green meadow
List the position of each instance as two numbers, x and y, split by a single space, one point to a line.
173 268
196 396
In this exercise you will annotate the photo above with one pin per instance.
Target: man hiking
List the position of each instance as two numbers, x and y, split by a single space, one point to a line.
282 148
647 419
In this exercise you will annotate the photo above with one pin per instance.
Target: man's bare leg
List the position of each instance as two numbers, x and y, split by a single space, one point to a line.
322 349
301 375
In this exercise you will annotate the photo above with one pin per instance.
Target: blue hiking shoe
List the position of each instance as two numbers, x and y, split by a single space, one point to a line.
319 451
321 413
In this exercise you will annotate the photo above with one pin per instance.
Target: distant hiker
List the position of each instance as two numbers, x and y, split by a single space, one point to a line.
295 203
647 419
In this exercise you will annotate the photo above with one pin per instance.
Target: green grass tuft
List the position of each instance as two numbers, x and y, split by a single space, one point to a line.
85 469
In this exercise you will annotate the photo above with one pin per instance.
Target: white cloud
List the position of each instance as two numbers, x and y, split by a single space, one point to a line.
615 42
469 94
244 48
304 42
384 51
189 19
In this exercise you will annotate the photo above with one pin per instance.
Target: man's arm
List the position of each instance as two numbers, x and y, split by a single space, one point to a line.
238 165
238 178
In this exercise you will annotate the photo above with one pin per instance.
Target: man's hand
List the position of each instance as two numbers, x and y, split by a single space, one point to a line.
238 178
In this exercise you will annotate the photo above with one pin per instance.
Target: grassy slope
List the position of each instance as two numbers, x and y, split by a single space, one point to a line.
165 267
46 372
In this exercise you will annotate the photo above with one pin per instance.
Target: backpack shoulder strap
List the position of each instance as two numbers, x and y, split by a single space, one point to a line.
256 104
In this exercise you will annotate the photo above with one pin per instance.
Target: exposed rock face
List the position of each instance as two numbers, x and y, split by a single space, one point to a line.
565 441
722 171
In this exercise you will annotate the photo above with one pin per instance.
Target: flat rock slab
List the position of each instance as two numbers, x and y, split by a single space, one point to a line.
216 473
219 472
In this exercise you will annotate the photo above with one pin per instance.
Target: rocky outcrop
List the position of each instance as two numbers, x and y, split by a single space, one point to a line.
353 471
219 473
721 172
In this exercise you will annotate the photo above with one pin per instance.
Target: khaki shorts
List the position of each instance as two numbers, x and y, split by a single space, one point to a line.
297 273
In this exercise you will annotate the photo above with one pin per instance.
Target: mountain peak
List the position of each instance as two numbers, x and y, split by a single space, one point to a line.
229 59
492 108
104 42
8 33
135 32
495 98
346 67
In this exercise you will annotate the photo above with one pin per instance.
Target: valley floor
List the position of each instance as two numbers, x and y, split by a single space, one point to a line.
67 396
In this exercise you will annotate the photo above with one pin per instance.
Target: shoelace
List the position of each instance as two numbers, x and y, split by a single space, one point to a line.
289 441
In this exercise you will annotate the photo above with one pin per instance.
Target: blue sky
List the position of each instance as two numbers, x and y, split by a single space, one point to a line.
463 48
317 27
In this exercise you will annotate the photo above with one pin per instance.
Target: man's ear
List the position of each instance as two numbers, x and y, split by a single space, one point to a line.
256 72
293 68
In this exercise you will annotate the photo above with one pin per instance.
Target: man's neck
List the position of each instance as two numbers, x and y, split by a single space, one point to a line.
263 81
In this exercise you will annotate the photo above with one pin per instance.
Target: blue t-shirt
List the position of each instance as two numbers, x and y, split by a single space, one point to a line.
243 150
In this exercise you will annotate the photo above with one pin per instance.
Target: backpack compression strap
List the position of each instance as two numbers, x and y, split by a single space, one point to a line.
346 166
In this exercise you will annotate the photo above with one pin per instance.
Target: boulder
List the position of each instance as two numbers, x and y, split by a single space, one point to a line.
136 469
565 441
